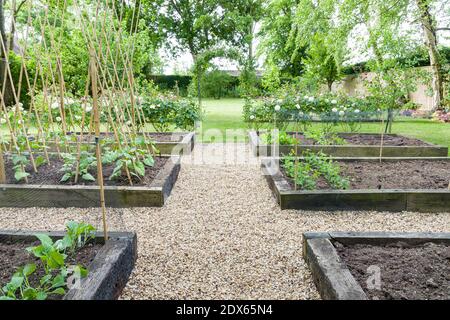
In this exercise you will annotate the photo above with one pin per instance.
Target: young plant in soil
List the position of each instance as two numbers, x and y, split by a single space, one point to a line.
283 138
53 260
307 172
323 138
129 162
87 161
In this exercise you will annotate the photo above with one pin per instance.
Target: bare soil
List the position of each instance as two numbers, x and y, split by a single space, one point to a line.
375 139
369 139
51 174
13 255
419 272
408 174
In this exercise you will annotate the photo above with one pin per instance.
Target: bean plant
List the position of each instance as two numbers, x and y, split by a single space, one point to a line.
53 260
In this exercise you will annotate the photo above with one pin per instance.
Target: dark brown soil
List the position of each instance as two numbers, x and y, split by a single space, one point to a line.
50 174
157 137
13 255
370 139
406 272
375 139
411 174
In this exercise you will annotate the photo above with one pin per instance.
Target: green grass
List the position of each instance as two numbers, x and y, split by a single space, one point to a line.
221 115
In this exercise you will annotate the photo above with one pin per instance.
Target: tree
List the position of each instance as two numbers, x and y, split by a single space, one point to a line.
282 58
242 17
320 64
197 27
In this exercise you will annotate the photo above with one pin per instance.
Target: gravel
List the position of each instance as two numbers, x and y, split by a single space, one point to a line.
222 235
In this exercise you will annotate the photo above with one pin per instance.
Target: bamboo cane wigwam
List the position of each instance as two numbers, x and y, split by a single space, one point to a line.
39 107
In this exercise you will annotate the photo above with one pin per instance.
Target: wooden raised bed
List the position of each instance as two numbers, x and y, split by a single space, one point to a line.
259 148
419 200
60 196
165 146
108 272
330 273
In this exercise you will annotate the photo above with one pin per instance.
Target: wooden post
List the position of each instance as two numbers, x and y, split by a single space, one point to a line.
93 70
2 167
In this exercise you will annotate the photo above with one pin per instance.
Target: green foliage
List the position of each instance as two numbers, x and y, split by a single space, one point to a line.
129 159
313 166
20 162
215 84
321 64
283 138
52 256
164 111
86 162
332 109
323 138
77 236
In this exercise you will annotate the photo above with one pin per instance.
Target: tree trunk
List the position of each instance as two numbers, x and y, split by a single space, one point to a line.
431 42
198 76
330 85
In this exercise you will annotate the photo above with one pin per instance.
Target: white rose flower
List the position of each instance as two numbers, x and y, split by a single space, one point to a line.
2 121
333 101
277 107
78 117
152 107
252 117
88 109
357 111
334 110
55 105
58 119
341 113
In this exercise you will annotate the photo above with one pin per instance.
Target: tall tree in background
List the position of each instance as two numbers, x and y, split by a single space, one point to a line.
196 26
242 17
277 26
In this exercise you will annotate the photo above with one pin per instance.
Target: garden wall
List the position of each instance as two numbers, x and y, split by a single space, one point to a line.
354 85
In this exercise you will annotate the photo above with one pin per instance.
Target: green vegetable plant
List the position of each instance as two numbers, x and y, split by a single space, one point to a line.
20 162
52 256
308 170
130 159
87 161
324 138
284 138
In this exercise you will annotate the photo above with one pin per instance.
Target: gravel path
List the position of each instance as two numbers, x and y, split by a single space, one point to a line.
221 234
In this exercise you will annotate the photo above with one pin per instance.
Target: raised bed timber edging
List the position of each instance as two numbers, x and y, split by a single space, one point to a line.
260 149
185 146
108 272
331 275
416 200
47 196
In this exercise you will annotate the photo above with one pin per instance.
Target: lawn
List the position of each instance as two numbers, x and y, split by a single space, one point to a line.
221 115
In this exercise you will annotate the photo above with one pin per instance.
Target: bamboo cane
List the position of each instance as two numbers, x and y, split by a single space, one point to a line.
2 167
95 105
